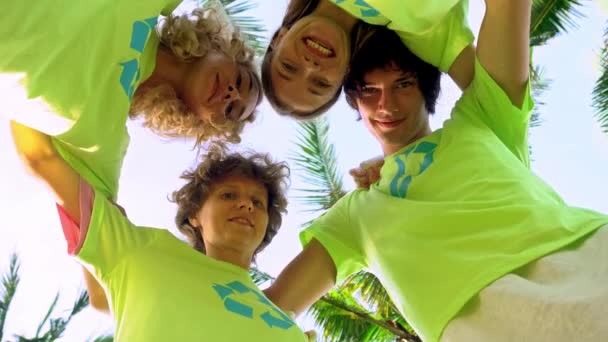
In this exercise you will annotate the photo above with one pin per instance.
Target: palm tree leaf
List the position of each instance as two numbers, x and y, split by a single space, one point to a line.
259 278
600 91
316 164
251 28
48 315
539 84
9 284
343 318
552 17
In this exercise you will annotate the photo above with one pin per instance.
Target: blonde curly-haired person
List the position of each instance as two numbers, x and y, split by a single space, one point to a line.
77 70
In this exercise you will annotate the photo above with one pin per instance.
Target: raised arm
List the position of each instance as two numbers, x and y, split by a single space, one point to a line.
504 45
308 277
42 160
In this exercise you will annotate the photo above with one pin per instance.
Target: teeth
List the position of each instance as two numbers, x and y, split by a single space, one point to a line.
318 47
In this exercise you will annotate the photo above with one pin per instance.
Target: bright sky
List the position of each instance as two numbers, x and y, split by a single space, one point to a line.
569 152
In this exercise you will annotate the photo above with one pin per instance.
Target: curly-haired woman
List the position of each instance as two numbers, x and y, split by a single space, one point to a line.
160 288
78 70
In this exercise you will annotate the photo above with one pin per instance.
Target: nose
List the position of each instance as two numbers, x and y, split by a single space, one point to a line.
246 204
231 94
386 103
311 62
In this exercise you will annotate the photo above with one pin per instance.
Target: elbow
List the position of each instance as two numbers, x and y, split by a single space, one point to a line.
35 160
99 302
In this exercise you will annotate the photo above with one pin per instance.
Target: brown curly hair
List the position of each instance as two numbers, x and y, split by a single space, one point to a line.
190 37
216 165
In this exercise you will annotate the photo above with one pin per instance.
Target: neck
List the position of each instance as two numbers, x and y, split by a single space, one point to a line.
328 9
168 70
229 255
389 149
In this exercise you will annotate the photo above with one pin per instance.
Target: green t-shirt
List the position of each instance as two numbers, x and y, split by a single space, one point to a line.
161 289
69 69
435 30
452 212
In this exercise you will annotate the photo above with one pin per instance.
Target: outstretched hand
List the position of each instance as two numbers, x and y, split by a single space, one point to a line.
367 173
311 335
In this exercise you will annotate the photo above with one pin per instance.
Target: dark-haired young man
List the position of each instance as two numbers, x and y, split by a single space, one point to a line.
468 242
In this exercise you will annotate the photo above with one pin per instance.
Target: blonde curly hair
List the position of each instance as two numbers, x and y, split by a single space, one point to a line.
190 37
216 165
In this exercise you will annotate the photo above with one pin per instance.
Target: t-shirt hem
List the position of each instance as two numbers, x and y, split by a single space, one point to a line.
498 272
327 241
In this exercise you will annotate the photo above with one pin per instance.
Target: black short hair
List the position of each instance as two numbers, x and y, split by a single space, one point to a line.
381 49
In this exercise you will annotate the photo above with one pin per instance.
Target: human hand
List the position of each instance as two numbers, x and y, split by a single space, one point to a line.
367 173
311 335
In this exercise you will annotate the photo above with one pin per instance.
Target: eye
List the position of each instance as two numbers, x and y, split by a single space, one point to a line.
289 67
322 84
229 109
228 195
258 203
369 91
239 80
404 84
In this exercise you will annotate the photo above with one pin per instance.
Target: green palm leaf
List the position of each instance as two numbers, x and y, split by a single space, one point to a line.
552 17
538 84
600 92
316 164
10 281
251 28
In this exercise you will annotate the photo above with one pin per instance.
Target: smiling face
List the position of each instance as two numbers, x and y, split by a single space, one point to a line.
309 63
392 107
234 215
219 89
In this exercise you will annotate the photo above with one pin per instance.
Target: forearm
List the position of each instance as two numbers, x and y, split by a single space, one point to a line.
97 295
42 160
308 277
504 45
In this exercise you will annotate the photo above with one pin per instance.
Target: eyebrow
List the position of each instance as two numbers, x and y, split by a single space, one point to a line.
314 92
283 76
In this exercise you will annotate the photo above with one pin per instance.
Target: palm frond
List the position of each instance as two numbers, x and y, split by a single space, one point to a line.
10 281
539 84
316 161
48 315
57 326
600 91
251 28
342 318
259 278
552 17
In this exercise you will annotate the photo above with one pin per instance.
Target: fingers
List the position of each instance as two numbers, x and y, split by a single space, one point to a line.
312 335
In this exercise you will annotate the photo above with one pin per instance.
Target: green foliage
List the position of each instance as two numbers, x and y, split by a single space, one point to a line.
600 92
316 164
55 326
552 17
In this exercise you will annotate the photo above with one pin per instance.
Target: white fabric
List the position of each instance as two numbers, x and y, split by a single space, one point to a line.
561 297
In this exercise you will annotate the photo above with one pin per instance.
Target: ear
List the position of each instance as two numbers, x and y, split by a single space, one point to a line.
193 222
278 37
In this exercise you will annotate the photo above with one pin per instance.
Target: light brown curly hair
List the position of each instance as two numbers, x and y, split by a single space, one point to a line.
190 37
217 165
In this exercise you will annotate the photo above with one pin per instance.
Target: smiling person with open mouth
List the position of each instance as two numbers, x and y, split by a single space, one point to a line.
305 64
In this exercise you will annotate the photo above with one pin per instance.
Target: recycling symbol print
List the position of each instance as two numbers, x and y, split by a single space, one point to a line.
231 293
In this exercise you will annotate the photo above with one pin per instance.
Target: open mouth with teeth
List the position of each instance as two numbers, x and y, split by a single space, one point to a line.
318 48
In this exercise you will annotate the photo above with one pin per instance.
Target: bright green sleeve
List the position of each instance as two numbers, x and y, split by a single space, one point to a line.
110 236
485 103
437 31
341 239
